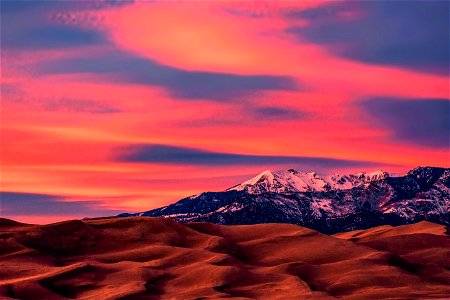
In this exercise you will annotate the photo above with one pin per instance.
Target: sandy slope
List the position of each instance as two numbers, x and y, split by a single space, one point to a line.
154 258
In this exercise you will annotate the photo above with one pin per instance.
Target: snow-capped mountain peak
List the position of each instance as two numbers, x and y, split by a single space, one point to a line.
266 176
293 181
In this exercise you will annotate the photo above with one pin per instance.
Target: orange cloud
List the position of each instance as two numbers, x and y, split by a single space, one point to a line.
206 38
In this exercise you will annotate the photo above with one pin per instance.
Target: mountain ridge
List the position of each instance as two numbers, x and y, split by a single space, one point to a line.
293 180
329 204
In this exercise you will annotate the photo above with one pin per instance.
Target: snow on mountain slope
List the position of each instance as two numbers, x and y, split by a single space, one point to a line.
293 181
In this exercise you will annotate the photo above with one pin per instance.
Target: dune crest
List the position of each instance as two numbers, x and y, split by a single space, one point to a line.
159 258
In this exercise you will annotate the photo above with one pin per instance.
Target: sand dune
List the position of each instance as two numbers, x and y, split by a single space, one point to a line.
157 258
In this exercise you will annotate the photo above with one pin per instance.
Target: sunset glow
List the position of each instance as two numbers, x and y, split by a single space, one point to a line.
115 106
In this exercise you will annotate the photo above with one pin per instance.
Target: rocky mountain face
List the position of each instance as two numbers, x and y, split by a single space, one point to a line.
329 204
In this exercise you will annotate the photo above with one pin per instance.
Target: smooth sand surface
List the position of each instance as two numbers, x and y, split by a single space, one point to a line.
157 258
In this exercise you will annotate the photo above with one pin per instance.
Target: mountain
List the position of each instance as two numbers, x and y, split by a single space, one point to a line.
329 204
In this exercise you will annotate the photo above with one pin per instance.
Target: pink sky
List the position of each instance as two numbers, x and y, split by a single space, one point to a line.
129 107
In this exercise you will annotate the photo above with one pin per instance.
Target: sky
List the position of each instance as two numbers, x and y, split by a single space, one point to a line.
124 106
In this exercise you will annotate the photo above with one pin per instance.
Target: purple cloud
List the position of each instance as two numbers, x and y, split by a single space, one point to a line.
424 122
409 34
152 153
124 67
12 203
